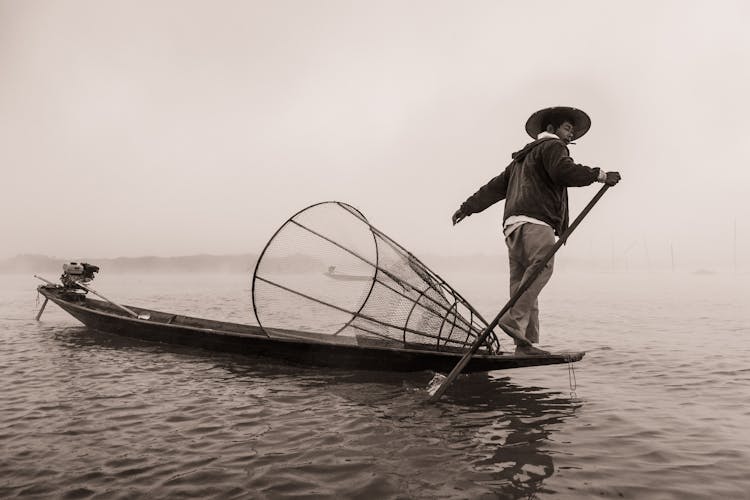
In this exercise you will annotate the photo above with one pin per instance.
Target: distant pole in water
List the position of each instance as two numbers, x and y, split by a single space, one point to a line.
627 251
671 251
735 245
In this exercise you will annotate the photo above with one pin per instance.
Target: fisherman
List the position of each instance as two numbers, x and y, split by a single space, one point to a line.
534 187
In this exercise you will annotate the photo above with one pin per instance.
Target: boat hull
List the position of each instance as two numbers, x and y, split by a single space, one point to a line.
252 340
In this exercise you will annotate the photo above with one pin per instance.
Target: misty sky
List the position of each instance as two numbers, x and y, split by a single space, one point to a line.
183 127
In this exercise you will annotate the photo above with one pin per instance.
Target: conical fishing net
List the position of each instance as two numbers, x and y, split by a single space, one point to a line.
328 273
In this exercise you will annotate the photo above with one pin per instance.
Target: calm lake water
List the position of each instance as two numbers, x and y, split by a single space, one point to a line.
661 408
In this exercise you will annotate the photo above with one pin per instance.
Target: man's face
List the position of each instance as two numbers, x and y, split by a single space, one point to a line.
565 131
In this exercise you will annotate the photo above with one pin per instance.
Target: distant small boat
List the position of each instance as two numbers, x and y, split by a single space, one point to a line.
704 272
331 273
308 348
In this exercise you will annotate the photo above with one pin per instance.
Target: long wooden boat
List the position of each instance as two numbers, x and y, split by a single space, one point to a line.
290 346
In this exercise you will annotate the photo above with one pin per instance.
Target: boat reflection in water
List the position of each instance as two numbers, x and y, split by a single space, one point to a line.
517 428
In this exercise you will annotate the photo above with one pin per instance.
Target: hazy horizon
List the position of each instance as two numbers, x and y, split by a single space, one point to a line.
182 128
485 262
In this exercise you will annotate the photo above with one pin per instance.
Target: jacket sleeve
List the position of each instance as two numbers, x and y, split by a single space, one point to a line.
489 194
563 170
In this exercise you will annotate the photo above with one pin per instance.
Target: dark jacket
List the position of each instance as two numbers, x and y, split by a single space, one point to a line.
535 184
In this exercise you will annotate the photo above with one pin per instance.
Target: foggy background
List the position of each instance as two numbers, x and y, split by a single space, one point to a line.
169 128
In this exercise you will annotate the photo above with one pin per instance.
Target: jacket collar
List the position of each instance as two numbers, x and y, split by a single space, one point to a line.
521 154
547 135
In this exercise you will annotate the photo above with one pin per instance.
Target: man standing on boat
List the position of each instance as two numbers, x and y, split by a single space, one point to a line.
534 187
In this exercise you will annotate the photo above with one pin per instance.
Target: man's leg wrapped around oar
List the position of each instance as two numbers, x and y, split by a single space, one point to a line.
528 245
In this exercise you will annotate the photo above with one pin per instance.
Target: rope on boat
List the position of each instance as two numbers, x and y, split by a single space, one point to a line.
572 378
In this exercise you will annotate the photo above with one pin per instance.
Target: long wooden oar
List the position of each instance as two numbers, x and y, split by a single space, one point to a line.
521 289
129 311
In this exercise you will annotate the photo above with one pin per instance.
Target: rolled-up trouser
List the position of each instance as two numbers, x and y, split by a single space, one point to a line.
527 245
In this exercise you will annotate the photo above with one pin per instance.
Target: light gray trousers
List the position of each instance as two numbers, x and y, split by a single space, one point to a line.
527 246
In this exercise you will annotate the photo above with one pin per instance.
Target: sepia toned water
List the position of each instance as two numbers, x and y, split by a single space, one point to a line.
661 408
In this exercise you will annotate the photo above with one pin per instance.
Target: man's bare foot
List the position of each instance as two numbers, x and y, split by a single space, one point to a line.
530 350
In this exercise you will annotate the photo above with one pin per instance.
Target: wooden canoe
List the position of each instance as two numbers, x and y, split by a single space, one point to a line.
291 346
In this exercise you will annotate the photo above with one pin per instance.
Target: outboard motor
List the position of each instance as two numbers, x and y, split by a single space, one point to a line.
75 272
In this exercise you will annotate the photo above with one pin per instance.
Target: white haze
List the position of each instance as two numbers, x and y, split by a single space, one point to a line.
185 127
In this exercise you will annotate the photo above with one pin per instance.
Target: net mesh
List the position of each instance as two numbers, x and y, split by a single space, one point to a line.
328 272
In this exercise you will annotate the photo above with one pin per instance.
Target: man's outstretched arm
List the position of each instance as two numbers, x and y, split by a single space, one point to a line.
489 194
